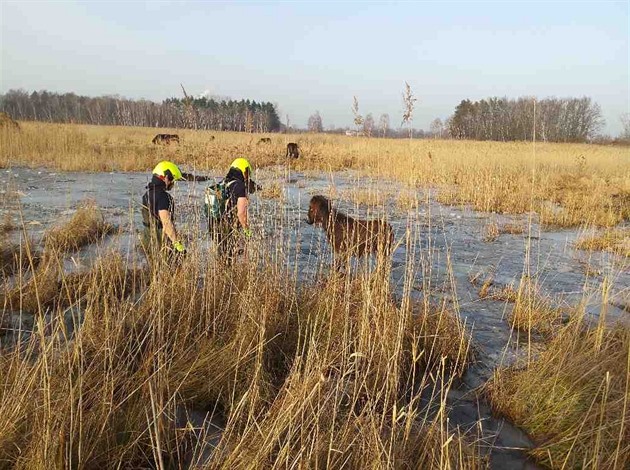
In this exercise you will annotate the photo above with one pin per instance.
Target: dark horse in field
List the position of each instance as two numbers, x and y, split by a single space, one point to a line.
165 139
293 151
349 236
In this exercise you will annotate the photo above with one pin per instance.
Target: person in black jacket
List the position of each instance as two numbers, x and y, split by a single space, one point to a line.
158 210
234 227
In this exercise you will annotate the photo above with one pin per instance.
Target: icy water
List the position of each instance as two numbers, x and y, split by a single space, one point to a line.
447 251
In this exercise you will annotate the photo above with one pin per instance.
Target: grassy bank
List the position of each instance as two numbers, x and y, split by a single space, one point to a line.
573 399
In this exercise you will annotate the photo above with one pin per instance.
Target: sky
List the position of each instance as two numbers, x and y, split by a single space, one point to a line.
308 56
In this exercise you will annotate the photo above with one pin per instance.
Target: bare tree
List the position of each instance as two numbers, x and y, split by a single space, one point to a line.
190 116
437 128
315 123
358 119
383 124
368 125
409 101
625 122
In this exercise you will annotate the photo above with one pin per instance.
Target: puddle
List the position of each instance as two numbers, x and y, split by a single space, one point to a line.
448 248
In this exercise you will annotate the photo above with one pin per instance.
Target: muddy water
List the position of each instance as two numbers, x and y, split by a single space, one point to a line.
441 249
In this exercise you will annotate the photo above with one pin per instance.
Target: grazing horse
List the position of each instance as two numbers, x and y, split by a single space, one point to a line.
293 151
265 140
193 177
165 139
347 235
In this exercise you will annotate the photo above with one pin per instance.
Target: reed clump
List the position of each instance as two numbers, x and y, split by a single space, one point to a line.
16 255
42 282
491 232
512 228
615 241
86 226
352 389
505 293
573 398
533 310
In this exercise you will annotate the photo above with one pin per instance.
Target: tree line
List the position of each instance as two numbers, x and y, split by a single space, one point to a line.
190 113
503 119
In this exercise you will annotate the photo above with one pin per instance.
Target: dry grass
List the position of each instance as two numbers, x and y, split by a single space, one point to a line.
86 226
573 399
489 290
41 282
366 196
15 253
273 191
407 201
615 241
15 257
513 229
491 232
327 373
533 310
489 176
7 121
324 374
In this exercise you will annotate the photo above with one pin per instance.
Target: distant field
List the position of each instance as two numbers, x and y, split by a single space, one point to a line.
566 184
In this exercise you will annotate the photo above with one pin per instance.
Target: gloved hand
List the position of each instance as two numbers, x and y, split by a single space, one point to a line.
179 248
247 232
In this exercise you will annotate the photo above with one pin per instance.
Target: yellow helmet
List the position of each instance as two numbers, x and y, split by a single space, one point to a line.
242 164
163 168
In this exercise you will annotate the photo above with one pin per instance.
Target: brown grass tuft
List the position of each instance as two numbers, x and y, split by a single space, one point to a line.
86 226
533 311
273 191
504 293
491 232
7 122
573 399
512 229
616 241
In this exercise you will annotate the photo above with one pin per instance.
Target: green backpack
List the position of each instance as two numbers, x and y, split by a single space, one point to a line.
215 200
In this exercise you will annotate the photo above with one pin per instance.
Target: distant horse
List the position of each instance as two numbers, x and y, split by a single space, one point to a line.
165 139
265 140
193 177
293 151
349 236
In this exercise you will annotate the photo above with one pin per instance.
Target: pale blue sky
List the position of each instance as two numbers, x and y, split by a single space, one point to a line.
308 56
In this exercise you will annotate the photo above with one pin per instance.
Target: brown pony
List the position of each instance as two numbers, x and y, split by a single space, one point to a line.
349 236
165 139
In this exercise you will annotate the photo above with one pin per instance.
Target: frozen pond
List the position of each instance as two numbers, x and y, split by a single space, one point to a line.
442 247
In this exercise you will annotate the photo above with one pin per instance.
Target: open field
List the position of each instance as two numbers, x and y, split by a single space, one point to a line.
491 340
566 184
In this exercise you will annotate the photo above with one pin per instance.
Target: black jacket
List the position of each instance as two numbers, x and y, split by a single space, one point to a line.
154 200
